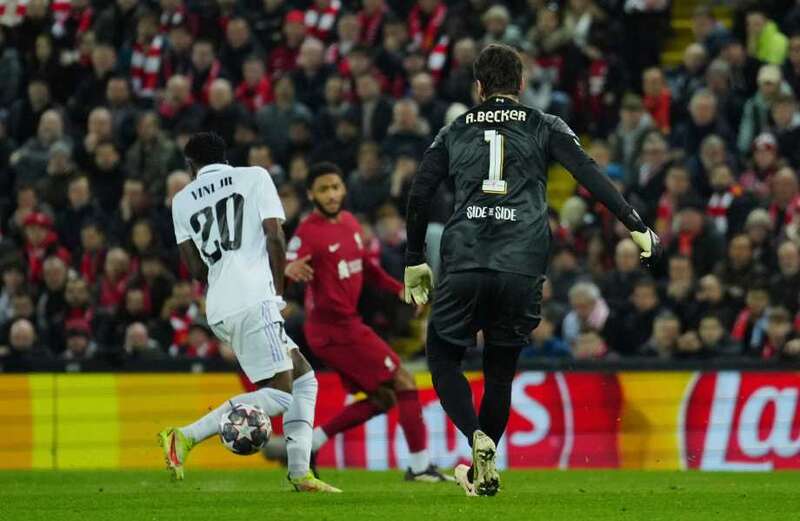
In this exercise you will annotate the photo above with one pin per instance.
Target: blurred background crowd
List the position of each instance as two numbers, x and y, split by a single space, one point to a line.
691 109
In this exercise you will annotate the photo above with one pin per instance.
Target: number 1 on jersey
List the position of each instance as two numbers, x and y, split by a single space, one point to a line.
495 184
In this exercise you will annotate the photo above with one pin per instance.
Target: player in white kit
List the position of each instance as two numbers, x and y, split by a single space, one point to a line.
228 229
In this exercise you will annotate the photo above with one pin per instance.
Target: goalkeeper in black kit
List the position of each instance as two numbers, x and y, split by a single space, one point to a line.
495 247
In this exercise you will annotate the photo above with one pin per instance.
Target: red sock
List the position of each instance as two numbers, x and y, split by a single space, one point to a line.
410 412
354 414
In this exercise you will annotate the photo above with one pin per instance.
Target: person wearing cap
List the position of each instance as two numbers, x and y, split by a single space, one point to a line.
696 236
79 343
40 243
283 58
755 116
765 164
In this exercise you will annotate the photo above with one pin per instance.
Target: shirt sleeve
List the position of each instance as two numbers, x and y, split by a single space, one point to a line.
431 172
566 149
181 225
299 246
267 201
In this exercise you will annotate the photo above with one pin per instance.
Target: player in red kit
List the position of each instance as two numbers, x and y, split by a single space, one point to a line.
327 253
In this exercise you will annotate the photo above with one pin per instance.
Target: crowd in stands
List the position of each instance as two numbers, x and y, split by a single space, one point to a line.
98 97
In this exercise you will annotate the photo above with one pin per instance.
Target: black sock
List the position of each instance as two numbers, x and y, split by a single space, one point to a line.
444 363
499 366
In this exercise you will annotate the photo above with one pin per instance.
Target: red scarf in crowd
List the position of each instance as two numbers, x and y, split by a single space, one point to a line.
63 12
659 107
426 37
16 12
36 255
112 292
213 74
790 213
253 98
718 205
371 26
92 265
145 67
320 23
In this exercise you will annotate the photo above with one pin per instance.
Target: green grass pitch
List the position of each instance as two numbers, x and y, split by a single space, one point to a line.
265 496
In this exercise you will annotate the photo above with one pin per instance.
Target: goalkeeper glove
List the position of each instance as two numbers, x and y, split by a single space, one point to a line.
650 245
418 284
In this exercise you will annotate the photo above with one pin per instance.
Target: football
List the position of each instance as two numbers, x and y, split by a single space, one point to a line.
245 429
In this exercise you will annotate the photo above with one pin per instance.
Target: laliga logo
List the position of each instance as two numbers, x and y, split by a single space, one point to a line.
742 421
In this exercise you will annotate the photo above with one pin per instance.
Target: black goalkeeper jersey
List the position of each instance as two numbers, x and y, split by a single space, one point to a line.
496 156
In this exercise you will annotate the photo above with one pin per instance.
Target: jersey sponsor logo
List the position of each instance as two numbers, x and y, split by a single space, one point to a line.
496 116
498 213
347 269
333 247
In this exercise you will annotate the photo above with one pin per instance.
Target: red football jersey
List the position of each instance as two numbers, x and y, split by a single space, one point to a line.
340 261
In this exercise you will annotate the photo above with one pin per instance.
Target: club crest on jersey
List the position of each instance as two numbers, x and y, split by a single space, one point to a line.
357 237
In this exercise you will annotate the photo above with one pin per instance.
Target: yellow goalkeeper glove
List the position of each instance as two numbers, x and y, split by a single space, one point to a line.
649 243
418 284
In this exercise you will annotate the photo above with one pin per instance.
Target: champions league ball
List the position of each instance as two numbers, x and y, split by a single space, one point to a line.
245 429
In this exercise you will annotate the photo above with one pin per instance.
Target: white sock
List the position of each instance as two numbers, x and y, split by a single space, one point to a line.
318 439
272 401
419 461
298 422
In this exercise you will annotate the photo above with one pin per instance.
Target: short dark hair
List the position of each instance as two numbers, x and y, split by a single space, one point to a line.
321 169
499 69
205 148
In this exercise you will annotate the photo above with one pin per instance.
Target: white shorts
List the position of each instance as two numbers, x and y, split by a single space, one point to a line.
257 337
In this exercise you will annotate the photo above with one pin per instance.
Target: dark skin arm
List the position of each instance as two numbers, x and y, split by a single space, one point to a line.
192 258
276 249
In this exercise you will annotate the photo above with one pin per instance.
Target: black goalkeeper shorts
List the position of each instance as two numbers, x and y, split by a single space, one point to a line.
505 306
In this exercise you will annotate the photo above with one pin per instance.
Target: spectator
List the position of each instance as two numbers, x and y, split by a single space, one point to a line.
206 68
784 200
10 70
60 169
343 148
91 90
52 306
619 283
718 81
663 342
646 180
704 120
739 270
283 57
274 119
23 348
79 344
629 328
152 155
764 39
41 242
499 29
374 110
80 208
431 109
677 186
147 57
744 68
759 228
369 186
114 280
755 118
30 161
729 204
78 300
687 78
679 288
140 346
777 334
750 325
239 45
98 129
713 338
786 127
107 176
791 67
408 133
708 31
696 237
657 98
545 342
178 109
627 140
710 299
589 313
25 113
13 280
255 89
785 285
116 23
177 315
312 72
765 164
93 249
123 111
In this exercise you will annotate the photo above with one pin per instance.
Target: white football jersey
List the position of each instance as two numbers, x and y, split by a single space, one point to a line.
221 211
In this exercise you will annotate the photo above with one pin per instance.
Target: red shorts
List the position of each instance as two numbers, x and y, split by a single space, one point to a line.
360 357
